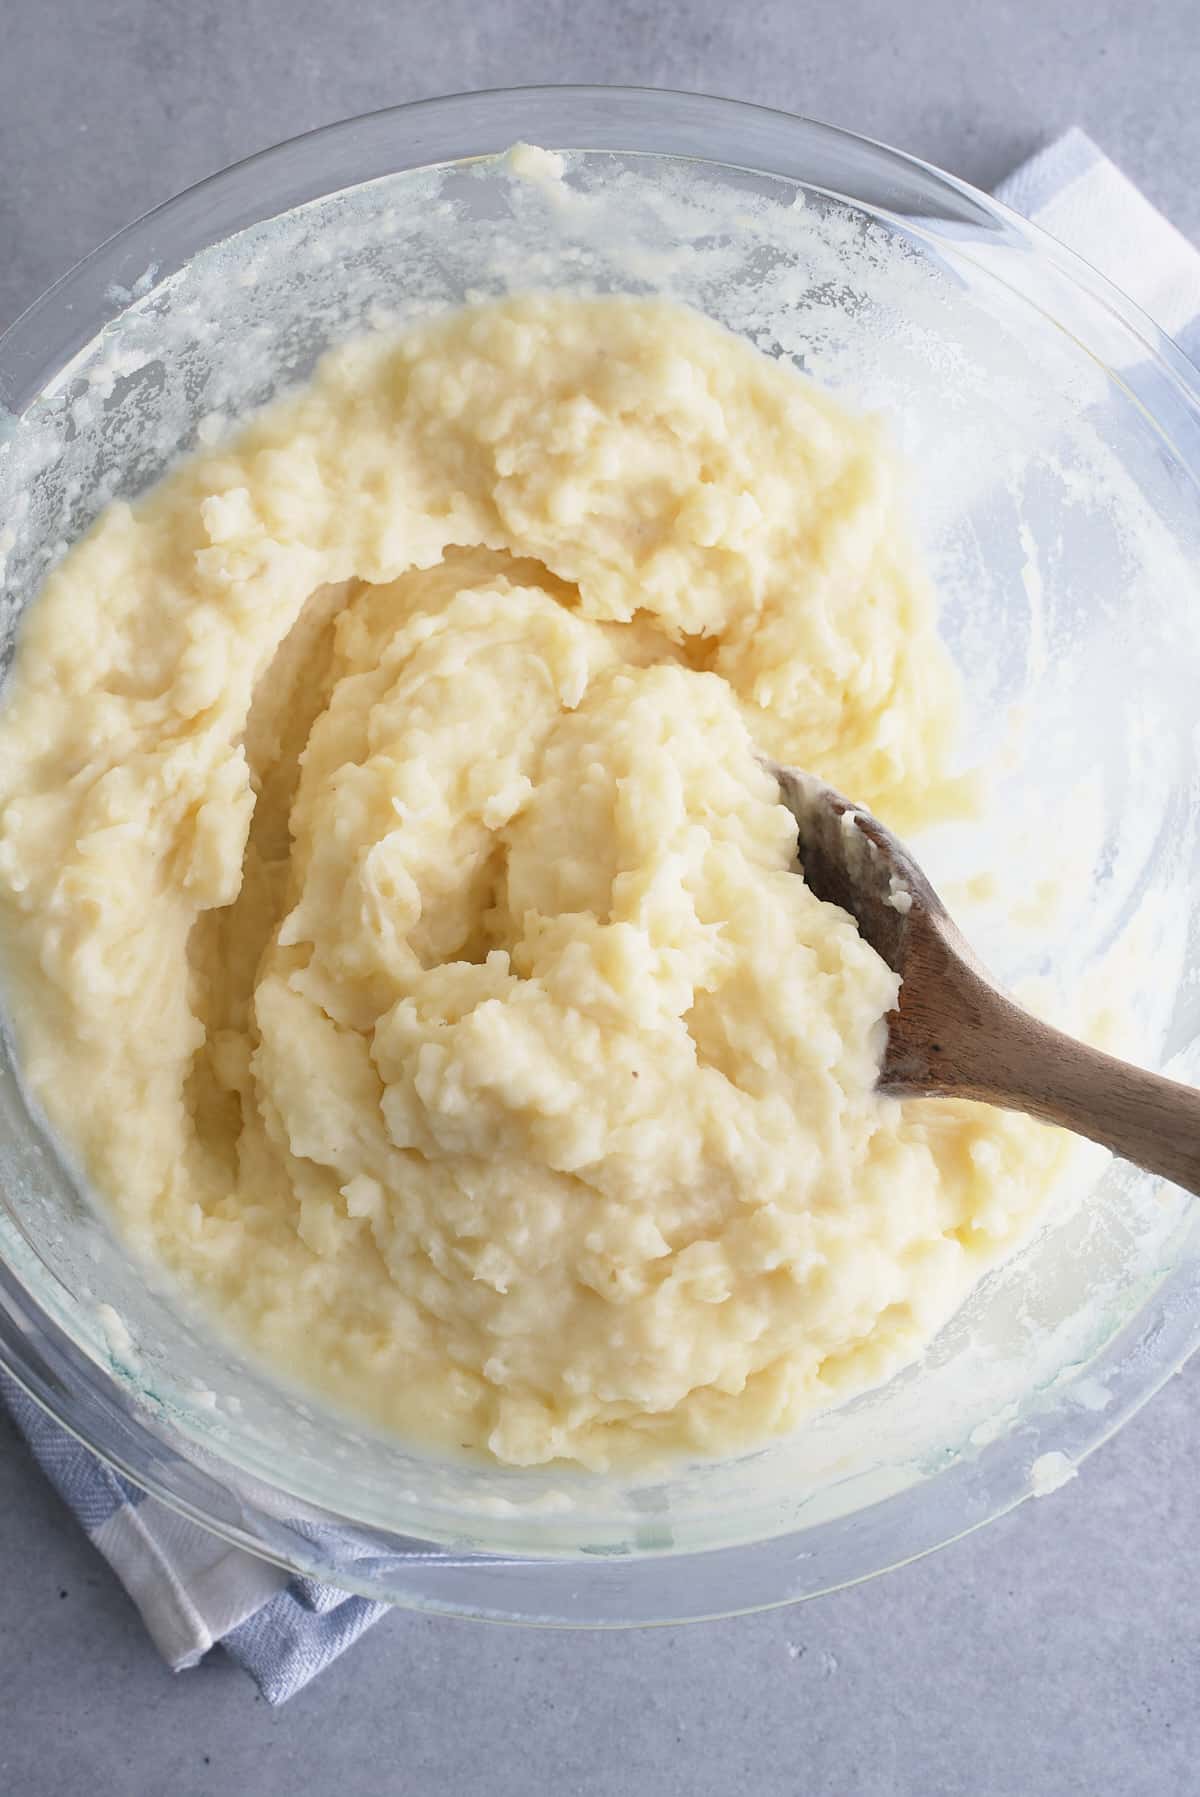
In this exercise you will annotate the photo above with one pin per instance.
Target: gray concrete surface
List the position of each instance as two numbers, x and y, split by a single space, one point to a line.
1058 1651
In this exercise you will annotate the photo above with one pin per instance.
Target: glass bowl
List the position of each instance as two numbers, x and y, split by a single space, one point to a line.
1055 437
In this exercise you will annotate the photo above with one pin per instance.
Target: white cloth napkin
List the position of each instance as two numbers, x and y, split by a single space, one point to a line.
1073 191
192 1589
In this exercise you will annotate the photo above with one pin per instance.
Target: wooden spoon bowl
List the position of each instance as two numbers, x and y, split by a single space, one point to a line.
953 1030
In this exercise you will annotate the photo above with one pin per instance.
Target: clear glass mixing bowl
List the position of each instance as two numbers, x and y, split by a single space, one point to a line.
1056 441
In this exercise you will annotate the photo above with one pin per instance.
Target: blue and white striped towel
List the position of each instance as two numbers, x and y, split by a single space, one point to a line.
192 1589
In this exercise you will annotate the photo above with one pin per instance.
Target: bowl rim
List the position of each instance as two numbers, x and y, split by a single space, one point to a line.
36 349
72 286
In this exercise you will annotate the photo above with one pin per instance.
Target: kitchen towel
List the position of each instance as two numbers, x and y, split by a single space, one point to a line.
195 1591
1074 192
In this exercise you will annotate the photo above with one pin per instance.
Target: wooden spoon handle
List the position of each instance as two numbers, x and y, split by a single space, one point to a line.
981 1045
1152 1121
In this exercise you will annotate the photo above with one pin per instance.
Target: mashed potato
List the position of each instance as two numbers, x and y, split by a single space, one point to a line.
404 934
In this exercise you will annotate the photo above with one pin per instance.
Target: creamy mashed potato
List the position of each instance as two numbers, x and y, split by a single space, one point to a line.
404 934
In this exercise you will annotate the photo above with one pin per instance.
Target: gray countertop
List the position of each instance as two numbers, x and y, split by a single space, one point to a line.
1057 1651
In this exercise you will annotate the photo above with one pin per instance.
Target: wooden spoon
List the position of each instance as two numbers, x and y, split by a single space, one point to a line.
953 1032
